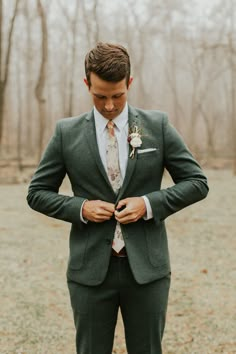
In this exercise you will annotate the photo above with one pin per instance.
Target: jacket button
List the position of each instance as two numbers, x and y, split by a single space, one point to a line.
108 241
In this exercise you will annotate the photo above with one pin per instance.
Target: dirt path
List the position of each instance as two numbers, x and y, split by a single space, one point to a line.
35 314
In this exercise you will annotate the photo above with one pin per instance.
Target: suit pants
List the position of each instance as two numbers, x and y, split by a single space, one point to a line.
143 309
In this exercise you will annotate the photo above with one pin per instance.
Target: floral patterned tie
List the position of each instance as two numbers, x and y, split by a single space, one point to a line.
114 175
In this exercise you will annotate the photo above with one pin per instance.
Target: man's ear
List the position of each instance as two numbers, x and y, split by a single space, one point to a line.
130 81
86 82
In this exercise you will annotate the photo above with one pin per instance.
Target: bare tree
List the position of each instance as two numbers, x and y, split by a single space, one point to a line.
72 23
20 120
91 21
5 60
40 86
28 15
232 64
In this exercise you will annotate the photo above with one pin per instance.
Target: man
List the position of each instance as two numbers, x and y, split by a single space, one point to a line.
115 156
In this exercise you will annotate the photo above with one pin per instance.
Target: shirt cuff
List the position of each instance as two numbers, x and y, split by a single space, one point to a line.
85 221
149 213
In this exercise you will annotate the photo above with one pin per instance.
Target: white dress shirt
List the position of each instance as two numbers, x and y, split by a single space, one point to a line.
121 131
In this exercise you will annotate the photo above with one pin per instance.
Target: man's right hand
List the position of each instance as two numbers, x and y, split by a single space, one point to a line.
97 210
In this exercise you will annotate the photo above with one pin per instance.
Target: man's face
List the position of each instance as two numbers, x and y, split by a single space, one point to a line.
109 98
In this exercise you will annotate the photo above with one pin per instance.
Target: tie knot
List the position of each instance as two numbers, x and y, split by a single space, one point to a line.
110 124
110 127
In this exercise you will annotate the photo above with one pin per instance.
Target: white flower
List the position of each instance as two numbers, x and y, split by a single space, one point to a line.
135 140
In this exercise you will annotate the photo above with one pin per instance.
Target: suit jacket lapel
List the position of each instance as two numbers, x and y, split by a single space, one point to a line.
90 133
133 120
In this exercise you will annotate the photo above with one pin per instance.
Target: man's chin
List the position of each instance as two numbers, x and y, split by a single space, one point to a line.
110 115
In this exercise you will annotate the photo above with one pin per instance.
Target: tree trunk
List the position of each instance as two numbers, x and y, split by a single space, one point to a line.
30 85
39 89
20 118
5 62
233 83
73 60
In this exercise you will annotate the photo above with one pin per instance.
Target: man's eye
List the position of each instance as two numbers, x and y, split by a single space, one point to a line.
118 96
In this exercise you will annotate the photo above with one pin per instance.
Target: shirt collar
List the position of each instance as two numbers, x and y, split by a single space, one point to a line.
121 120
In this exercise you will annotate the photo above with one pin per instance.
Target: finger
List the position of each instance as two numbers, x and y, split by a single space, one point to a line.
103 214
122 214
124 221
98 221
108 207
122 203
104 208
123 218
101 218
128 217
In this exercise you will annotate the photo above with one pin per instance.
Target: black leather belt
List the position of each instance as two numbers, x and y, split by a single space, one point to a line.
122 253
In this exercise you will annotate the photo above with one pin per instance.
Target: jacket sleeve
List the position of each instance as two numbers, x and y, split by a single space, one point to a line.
190 184
43 193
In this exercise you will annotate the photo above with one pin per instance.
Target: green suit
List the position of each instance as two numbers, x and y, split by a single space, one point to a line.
73 151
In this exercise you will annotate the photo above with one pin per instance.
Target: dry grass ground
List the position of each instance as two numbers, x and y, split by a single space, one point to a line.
35 314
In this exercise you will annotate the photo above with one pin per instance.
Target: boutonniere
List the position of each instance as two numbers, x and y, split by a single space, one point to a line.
134 139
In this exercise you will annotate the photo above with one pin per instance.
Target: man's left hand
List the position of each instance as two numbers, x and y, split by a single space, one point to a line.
132 209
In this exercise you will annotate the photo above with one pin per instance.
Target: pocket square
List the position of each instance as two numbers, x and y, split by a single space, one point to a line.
139 151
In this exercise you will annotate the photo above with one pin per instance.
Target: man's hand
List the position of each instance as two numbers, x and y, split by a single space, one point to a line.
133 209
97 210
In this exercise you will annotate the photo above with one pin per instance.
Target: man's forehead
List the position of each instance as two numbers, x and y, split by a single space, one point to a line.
106 88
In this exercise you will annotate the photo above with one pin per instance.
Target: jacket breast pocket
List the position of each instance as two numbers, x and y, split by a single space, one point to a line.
148 155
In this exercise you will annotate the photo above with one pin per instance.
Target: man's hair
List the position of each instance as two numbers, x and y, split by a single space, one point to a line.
108 61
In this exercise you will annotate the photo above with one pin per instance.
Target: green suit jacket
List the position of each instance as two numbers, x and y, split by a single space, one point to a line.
73 151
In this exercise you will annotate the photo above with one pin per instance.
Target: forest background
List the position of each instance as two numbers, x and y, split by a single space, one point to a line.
183 58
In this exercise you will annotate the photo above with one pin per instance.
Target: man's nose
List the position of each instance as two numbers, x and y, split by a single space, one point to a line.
109 105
